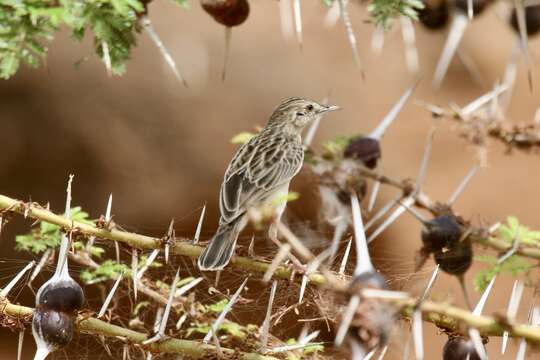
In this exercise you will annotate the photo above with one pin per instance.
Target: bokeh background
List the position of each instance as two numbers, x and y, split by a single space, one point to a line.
161 149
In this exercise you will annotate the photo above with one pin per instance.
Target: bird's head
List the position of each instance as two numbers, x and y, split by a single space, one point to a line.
298 112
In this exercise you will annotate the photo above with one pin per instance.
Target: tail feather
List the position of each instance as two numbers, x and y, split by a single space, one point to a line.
220 250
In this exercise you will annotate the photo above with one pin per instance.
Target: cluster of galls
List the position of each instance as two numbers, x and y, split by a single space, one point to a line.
373 320
227 12
444 237
57 303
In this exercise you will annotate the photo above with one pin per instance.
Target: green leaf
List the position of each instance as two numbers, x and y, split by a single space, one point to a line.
513 229
290 196
338 145
242 138
514 265
182 3
108 270
217 307
384 12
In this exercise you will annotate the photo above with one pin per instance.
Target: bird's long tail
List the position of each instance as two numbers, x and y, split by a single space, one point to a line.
220 250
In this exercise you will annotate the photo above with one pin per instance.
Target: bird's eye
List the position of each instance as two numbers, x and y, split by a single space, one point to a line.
309 108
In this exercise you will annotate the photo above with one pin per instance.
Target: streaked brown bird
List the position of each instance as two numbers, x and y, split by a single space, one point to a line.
259 173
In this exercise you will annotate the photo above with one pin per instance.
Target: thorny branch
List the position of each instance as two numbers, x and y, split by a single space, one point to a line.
193 349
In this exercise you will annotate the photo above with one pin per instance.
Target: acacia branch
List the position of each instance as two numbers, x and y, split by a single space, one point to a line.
183 248
93 326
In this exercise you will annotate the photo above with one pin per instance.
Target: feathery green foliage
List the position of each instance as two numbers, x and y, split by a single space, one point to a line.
384 12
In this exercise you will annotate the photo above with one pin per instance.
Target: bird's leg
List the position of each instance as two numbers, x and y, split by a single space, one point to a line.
298 267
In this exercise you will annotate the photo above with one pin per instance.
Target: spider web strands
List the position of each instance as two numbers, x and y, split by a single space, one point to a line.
5 291
379 132
221 317
522 26
511 312
409 40
457 29
109 297
147 25
197 235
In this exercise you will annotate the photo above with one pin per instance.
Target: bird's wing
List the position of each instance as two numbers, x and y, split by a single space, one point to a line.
257 169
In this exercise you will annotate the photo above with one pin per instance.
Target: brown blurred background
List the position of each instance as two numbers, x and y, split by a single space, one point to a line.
161 149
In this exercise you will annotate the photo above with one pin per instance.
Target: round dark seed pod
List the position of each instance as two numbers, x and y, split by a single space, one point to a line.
459 348
442 231
478 6
62 295
532 19
434 17
365 149
455 260
53 327
227 12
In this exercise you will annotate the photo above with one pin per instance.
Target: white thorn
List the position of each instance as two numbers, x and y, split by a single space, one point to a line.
471 66
409 39
482 100
20 345
228 307
148 263
184 289
377 40
390 219
147 24
369 355
134 271
430 284
350 33
251 247
62 265
363 261
109 208
308 139
297 10
266 323
157 320
425 160
332 15
181 321
106 57
199 226
457 29
109 297
463 185
522 25
285 17
482 302
41 353
382 211
373 197
283 252
477 342
357 350
511 311
339 230
348 315
44 258
470 9
169 238
383 352
510 74
345 258
165 317
392 114
418 337
5 291
228 35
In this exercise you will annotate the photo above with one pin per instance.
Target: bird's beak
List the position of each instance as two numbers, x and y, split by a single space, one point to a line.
329 108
